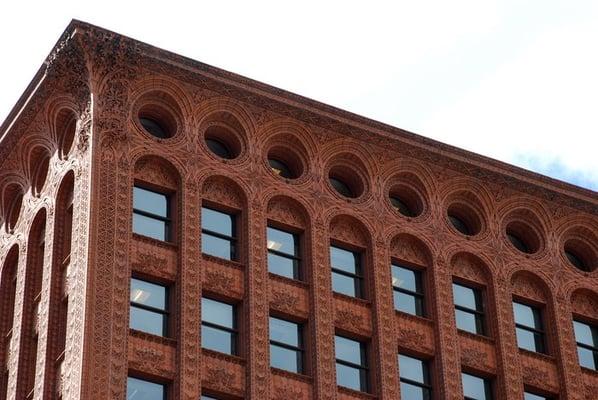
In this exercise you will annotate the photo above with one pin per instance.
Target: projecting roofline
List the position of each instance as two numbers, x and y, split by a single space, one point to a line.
519 178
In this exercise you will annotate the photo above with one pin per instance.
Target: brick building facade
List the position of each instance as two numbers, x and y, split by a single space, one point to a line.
171 229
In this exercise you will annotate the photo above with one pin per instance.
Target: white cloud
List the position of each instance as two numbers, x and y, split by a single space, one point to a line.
501 78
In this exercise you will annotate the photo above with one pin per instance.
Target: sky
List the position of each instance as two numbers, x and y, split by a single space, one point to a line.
515 80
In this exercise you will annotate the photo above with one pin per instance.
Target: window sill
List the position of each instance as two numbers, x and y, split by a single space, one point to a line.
589 371
153 338
155 242
355 393
540 356
222 261
356 300
290 281
403 314
291 375
223 356
476 336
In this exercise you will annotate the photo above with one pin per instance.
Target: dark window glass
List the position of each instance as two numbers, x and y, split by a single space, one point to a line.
151 214
401 206
408 290
517 242
529 327
154 127
346 272
283 253
415 378
280 168
476 388
219 148
533 396
218 234
351 364
218 326
286 345
586 337
469 309
459 224
138 389
149 307
341 187
576 261
204 397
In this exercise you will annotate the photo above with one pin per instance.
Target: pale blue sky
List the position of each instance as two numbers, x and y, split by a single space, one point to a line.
515 80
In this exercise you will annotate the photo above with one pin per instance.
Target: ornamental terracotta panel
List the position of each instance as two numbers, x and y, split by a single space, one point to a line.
528 237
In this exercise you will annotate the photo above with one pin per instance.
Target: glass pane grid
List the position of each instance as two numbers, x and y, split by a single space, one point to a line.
351 363
414 378
218 326
148 307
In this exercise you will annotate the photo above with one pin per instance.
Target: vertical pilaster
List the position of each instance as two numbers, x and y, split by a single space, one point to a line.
448 362
509 384
383 314
188 296
322 309
107 329
571 385
43 311
71 372
257 307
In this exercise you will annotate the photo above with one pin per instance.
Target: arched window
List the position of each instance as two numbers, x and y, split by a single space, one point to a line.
59 292
8 286
33 285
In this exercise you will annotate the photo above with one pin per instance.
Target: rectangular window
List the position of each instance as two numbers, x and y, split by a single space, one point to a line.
469 309
415 378
347 276
529 327
408 290
151 214
533 396
149 307
218 326
283 253
139 389
218 234
351 364
586 337
286 345
476 388
204 397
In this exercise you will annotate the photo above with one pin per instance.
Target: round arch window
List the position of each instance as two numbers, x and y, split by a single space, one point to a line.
346 181
341 187
575 260
517 241
459 224
158 120
280 168
154 127
219 148
222 142
580 254
401 206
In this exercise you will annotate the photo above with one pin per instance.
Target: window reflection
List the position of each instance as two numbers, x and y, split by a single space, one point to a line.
219 330
346 272
351 364
218 236
149 307
283 253
407 290
151 214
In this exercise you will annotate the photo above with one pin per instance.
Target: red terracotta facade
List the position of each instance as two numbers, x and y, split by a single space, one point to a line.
74 139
